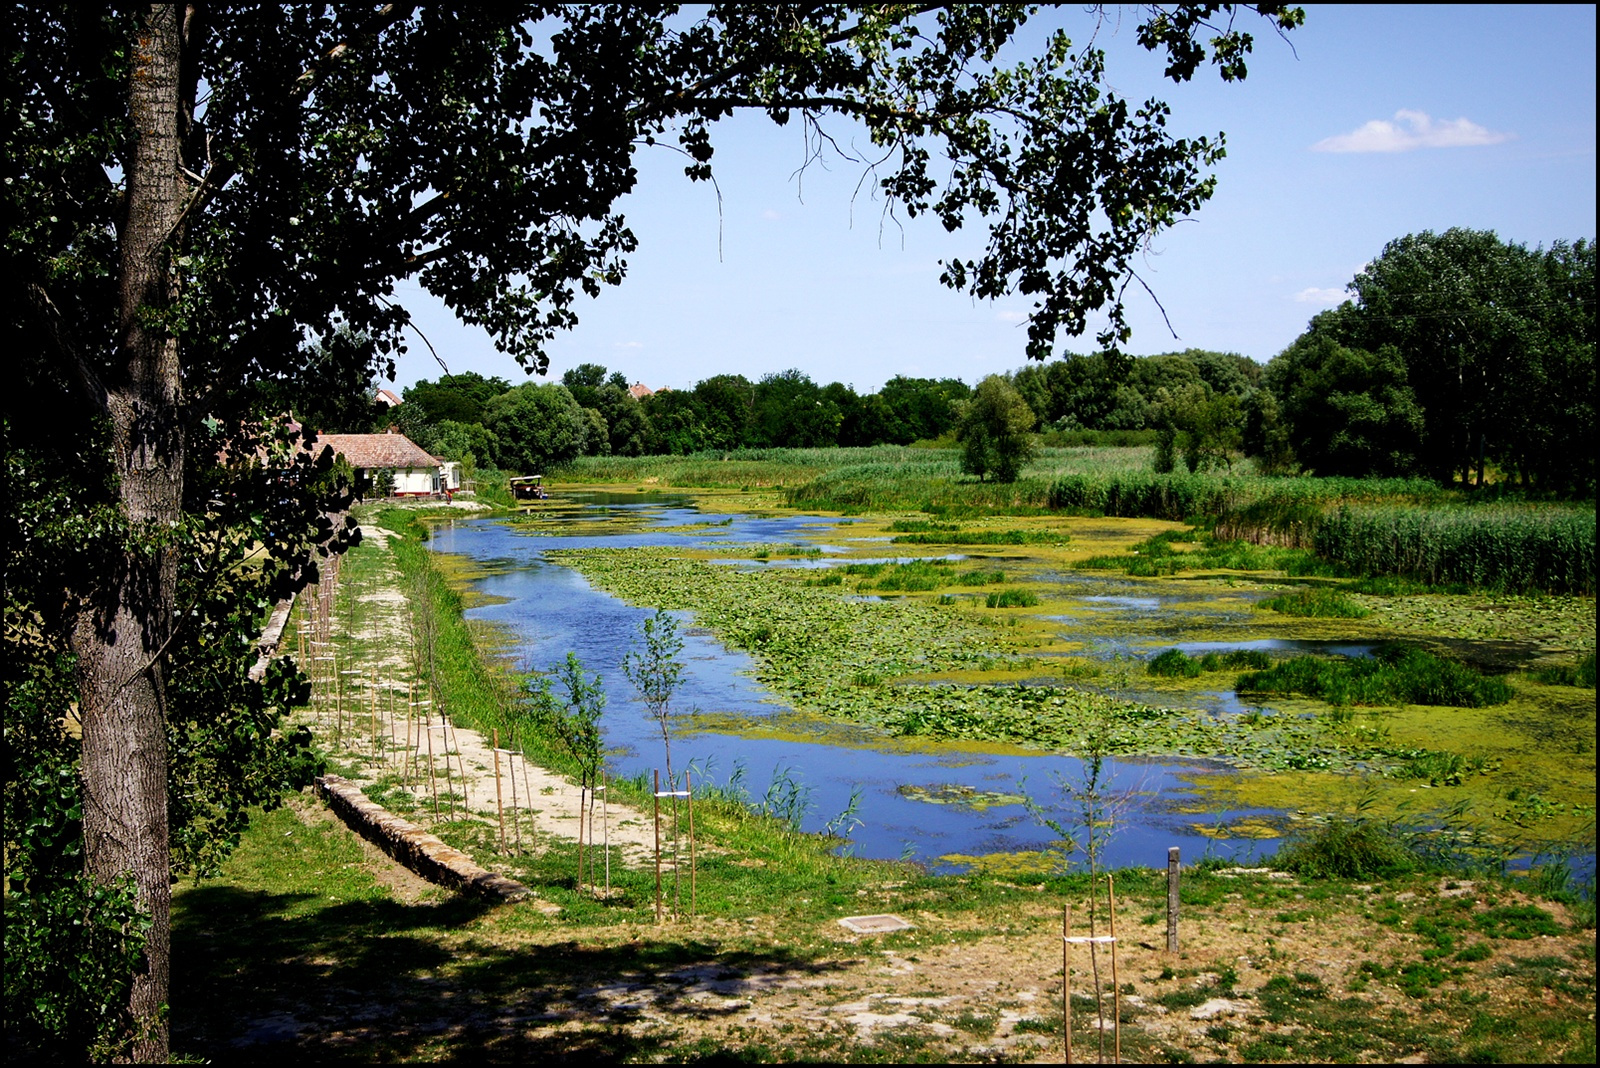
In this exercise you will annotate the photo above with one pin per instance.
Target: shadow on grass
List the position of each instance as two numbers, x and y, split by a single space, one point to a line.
260 975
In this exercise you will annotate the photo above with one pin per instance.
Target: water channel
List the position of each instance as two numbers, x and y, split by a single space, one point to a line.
922 802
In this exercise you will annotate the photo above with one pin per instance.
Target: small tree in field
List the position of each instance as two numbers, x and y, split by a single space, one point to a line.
656 673
578 727
996 431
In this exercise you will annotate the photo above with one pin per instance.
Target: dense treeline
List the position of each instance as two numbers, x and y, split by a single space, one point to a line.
1460 358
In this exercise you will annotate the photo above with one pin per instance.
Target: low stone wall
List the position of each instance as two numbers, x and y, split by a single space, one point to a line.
414 847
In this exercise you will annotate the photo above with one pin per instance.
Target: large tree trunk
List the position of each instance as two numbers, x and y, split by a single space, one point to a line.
121 636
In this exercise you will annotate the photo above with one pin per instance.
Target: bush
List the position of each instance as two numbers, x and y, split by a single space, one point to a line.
1348 848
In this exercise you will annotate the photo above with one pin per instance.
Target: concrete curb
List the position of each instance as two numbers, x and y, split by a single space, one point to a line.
414 847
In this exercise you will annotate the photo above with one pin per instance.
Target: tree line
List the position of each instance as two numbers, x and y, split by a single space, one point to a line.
1457 351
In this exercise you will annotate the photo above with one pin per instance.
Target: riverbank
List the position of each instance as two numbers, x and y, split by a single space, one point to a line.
311 943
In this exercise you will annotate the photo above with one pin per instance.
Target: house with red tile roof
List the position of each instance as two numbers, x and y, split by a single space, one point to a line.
415 472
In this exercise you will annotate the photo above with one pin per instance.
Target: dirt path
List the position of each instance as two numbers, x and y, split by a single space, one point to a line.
368 708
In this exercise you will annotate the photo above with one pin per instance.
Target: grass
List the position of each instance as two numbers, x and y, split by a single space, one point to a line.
1316 601
1581 674
1394 675
1176 664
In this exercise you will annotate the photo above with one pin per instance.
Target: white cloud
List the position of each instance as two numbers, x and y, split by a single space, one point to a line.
1409 130
1315 295
770 214
1008 316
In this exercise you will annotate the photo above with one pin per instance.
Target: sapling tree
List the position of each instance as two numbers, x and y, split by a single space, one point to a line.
656 672
577 726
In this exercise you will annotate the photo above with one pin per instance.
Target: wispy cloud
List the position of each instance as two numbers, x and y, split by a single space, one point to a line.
770 214
627 344
1411 130
1315 295
1010 315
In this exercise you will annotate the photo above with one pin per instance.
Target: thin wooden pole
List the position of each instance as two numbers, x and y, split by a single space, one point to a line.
499 809
582 790
516 809
657 799
605 827
433 778
689 789
1066 985
1172 900
533 827
1116 990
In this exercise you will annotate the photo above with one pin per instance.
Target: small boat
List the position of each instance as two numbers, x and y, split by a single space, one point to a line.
529 488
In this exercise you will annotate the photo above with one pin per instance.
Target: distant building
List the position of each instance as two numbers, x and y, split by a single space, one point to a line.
415 472
639 391
388 399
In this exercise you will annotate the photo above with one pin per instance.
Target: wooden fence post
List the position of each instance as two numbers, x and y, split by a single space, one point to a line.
1172 900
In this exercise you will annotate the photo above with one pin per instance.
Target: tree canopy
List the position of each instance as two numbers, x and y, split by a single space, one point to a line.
201 201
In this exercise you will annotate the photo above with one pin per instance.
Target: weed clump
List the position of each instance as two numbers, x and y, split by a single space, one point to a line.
1581 675
1012 599
1316 601
1351 848
1174 663
1393 675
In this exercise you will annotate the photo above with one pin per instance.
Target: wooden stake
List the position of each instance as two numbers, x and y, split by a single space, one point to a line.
1066 986
499 809
433 779
657 799
689 789
1116 990
516 812
1172 900
605 827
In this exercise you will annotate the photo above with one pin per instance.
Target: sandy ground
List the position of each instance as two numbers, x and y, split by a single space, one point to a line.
534 801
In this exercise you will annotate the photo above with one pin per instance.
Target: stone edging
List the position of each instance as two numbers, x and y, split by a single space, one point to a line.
414 847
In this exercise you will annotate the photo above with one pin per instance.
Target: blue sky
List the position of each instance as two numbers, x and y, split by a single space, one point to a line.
1370 123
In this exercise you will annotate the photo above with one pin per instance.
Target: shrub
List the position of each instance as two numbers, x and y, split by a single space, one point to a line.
1175 664
1348 848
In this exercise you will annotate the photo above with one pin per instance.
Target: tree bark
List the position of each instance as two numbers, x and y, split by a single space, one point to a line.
121 633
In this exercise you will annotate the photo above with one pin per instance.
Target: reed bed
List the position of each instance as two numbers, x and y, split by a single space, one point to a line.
1547 548
1242 500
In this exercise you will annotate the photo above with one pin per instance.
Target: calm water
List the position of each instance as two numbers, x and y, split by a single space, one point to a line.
551 610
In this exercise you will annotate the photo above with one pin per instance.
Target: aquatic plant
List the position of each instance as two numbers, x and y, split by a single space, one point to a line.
1315 601
1012 599
1174 663
1580 675
1546 548
1348 847
1394 675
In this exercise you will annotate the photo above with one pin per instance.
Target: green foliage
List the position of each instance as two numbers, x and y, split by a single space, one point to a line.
1348 411
656 672
995 431
71 952
1516 922
1497 343
1348 848
1012 599
1393 675
537 427
1174 663
1318 601
1550 549
1581 675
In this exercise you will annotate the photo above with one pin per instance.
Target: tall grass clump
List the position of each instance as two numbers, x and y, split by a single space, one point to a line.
1348 848
1315 601
1514 549
1277 502
1393 675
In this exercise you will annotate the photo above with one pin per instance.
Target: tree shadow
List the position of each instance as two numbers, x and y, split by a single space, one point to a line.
258 975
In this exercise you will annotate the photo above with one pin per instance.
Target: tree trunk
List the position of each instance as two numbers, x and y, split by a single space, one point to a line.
121 634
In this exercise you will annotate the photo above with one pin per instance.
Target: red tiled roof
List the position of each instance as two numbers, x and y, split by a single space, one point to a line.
388 398
640 391
376 450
